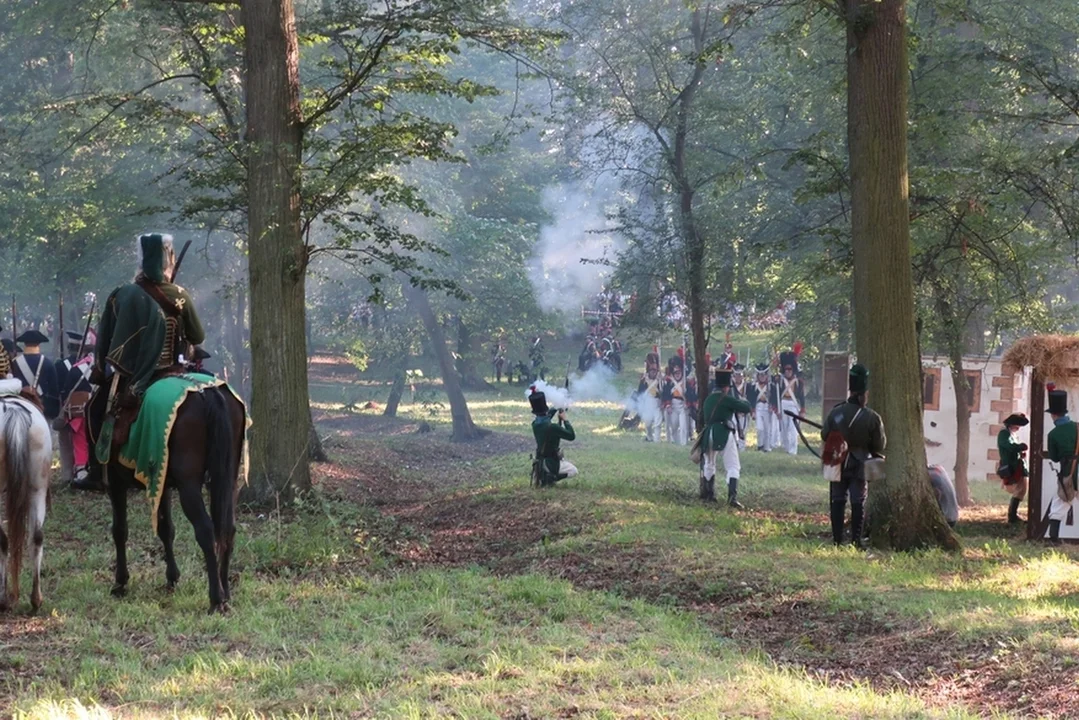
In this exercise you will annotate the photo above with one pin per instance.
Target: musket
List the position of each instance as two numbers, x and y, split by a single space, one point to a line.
78 356
60 344
179 260
568 362
14 319
798 420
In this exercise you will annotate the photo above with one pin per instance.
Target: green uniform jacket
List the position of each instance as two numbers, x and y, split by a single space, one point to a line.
549 435
865 438
193 331
1062 446
719 411
1010 452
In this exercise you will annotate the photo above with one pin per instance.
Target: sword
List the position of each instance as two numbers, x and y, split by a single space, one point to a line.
179 260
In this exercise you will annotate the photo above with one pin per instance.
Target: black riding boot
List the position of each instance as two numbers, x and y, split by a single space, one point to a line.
1054 532
704 488
732 494
1013 511
857 523
838 510
709 490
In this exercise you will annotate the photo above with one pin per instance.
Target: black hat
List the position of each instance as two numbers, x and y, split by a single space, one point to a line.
32 337
9 346
538 401
859 379
723 378
1058 400
676 361
739 367
1016 419
201 354
73 338
788 359
762 367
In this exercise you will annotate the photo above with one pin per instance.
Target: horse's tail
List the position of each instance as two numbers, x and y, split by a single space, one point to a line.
16 421
219 459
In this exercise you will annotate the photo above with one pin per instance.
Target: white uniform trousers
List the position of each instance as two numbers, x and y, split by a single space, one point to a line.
565 467
732 463
676 422
790 432
762 421
652 417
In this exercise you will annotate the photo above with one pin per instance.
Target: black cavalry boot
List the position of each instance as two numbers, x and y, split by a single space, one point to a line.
709 490
1013 511
704 489
732 494
1054 532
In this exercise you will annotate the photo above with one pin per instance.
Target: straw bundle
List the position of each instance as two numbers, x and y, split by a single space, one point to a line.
1053 357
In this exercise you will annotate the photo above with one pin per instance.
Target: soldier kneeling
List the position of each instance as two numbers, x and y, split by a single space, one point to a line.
549 466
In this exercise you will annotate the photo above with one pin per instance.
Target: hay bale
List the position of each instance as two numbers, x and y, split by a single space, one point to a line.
1055 358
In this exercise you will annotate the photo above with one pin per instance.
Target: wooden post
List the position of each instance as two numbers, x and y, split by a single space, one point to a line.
1036 524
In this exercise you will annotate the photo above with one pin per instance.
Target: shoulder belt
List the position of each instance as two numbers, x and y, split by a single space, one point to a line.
29 375
154 291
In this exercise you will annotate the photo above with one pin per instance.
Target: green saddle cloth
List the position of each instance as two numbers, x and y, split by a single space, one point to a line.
147 449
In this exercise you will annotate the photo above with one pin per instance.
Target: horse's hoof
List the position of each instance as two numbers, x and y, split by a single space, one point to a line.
221 608
119 590
35 604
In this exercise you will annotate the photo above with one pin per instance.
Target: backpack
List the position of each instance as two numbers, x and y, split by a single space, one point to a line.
835 452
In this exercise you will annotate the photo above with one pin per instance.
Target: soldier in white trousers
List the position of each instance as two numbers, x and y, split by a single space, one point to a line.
791 399
1063 448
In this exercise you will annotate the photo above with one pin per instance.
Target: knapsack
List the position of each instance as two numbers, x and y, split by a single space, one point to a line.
835 451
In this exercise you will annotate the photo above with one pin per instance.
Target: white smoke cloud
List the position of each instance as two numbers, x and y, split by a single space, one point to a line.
556 397
565 274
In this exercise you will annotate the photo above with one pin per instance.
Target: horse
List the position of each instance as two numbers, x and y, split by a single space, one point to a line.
25 468
207 442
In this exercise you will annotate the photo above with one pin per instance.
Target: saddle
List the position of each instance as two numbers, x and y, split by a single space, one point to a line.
127 406
31 396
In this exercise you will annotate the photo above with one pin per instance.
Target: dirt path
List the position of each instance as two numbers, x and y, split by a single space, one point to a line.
428 487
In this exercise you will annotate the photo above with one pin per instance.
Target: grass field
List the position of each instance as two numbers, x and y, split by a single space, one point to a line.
425 579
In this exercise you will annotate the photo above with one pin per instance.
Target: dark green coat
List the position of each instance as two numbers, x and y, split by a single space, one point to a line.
1061 446
719 411
1010 452
865 437
549 435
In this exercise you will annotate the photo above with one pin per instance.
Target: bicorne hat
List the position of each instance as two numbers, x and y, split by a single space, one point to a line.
1016 419
32 337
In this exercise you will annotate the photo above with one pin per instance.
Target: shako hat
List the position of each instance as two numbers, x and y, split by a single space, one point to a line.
1058 400
723 378
32 337
538 400
859 379
1016 419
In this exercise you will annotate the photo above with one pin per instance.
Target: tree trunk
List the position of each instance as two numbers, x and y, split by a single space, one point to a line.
277 256
692 241
464 429
962 433
466 368
396 392
903 513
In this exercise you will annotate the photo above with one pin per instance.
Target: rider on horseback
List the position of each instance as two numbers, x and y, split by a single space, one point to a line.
146 328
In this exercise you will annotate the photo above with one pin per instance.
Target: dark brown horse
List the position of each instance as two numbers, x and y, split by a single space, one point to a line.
206 447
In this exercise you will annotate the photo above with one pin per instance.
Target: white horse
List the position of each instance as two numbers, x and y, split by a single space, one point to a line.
25 468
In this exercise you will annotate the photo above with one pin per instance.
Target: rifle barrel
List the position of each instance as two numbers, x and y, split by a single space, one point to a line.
799 418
